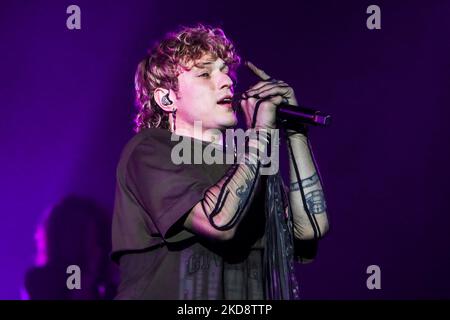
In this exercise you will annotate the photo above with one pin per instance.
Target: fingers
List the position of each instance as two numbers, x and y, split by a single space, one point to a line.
261 84
282 89
275 91
269 88
270 98
258 72
266 79
272 102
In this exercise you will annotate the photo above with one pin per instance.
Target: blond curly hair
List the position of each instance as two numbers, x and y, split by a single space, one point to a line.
161 68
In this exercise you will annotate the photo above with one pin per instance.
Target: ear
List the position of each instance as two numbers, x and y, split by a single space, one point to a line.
159 93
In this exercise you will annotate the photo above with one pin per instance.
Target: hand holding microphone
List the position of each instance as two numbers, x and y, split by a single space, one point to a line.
274 98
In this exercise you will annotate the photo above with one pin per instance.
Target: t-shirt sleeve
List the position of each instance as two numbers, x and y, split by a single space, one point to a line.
166 191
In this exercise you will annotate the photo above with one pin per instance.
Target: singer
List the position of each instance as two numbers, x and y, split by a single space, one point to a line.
211 231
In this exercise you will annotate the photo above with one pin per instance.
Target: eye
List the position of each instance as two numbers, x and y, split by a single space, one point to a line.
204 75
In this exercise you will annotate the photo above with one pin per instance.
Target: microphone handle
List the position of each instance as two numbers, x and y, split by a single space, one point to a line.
302 115
295 115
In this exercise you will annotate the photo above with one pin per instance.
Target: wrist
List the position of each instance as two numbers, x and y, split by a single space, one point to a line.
300 131
296 138
265 126
260 138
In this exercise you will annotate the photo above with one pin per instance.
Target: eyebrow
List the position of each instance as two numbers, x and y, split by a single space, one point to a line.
203 65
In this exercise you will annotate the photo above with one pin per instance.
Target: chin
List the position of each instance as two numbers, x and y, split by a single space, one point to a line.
232 121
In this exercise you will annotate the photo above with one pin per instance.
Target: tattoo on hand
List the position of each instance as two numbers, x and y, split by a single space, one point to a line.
315 201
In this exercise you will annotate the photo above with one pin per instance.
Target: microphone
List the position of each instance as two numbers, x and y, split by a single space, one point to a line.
296 115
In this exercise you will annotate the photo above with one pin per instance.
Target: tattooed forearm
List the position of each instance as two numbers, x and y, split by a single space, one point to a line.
315 201
243 192
308 182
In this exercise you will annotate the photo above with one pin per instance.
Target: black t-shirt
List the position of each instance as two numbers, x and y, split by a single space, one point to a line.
159 259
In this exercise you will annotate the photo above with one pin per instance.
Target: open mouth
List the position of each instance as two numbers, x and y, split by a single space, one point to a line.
225 101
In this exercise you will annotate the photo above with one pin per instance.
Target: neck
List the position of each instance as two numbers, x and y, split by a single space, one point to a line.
197 131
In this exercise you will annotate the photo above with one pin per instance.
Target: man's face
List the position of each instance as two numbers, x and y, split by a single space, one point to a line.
201 93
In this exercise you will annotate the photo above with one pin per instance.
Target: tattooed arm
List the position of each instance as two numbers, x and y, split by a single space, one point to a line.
218 214
310 221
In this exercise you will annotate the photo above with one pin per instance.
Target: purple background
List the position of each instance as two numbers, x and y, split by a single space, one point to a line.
67 106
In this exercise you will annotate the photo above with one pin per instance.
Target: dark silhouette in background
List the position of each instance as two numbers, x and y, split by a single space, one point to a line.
74 232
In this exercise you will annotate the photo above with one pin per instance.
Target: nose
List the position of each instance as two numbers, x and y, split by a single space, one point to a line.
226 82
